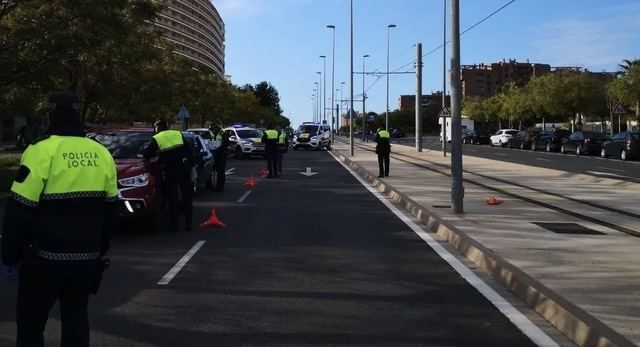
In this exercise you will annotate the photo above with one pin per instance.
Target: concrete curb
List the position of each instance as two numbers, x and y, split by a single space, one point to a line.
580 326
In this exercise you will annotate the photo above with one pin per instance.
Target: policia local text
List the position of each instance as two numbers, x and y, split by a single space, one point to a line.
81 159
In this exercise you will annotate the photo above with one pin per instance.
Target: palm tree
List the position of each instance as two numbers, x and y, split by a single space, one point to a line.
628 64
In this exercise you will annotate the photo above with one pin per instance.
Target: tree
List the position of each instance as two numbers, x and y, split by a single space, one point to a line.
626 88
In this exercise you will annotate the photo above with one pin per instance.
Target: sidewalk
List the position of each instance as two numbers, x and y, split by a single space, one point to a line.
585 284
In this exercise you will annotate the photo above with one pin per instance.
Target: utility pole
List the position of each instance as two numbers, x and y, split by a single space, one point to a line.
333 81
350 112
364 98
444 81
457 189
419 97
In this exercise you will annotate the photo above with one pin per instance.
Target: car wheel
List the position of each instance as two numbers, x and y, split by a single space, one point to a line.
238 152
464 141
491 143
509 145
603 153
578 150
562 149
471 142
548 147
624 155
328 146
533 146
501 143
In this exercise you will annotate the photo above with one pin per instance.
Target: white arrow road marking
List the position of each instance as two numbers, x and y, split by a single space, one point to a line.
308 173
230 171
180 264
598 173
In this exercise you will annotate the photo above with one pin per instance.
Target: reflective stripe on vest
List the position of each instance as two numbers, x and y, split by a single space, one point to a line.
282 138
383 134
272 134
168 139
65 167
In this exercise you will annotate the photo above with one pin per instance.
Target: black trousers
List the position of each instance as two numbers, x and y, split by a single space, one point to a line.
173 181
383 163
38 290
272 162
220 165
280 157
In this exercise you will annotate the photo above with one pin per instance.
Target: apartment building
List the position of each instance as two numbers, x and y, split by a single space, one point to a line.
484 80
197 31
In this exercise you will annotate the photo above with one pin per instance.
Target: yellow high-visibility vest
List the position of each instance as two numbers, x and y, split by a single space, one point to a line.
168 139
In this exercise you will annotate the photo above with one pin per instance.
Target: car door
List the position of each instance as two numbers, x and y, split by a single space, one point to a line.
618 142
573 142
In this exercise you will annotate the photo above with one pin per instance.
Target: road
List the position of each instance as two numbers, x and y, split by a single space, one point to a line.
313 260
589 165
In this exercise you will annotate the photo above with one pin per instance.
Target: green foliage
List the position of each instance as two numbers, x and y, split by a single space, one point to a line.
121 68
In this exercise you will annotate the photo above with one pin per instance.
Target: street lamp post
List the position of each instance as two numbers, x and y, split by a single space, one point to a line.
364 98
388 46
324 91
313 104
444 81
333 81
315 113
320 98
341 101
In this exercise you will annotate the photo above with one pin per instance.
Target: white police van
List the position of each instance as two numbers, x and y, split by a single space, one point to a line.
312 135
245 141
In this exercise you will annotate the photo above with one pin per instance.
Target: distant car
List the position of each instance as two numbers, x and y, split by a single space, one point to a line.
476 136
312 135
206 176
522 139
397 132
501 137
245 141
549 140
624 144
583 142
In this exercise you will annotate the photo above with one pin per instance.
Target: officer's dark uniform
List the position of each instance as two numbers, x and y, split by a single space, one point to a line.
220 158
270 140
283 147
383 149
58 220
176 160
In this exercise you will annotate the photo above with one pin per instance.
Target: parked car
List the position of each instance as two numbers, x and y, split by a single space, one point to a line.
501 137
397 132
476 136
245 141
138 179
549 140
206 135
625 144
205 175
522 139
583 142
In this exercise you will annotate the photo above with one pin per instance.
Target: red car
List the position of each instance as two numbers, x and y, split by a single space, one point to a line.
138 179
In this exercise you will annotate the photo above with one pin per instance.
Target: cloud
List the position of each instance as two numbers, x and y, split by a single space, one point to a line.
596 44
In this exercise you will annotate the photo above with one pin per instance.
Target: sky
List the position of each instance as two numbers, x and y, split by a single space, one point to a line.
280 41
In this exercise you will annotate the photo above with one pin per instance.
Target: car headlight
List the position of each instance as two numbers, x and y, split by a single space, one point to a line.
314 138
246 142
135 181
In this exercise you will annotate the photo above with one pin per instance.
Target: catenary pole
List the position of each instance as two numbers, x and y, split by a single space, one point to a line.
457 189
350 112
419 97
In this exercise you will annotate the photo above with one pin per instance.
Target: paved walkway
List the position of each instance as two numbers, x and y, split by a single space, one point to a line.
585 284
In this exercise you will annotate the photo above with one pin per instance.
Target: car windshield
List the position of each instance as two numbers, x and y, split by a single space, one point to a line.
125 145
312 129
246 134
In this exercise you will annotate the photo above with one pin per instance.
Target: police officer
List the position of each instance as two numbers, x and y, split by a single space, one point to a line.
220 157
176 160
283 147
270 140
57 225
383 149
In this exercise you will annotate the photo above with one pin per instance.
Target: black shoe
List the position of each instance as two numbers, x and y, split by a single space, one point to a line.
386 175
380 176
269 176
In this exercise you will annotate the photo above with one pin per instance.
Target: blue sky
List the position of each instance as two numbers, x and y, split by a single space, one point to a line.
280 41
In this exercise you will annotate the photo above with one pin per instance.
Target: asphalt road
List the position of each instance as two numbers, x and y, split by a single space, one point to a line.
589 165
304 261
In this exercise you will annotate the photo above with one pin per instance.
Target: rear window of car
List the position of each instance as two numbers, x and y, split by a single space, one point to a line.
125 145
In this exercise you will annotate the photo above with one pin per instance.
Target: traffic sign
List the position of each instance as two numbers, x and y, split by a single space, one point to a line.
183 113
444 112
619 109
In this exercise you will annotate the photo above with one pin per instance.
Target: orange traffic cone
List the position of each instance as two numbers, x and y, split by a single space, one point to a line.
493 201
213 221
251 182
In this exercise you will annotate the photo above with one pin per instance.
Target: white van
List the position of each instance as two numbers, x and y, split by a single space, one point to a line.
312 135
